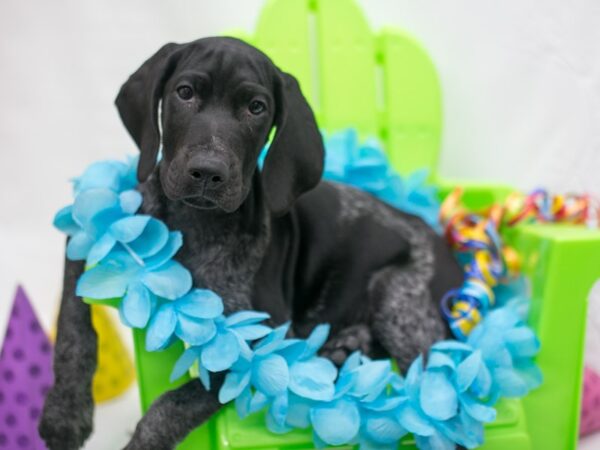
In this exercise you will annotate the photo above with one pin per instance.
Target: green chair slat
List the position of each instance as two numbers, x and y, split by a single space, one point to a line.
346 67
412 115
283 33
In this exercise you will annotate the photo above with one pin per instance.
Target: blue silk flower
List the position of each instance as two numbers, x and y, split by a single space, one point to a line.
443 402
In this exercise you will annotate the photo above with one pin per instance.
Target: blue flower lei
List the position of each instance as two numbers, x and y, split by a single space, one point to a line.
442 402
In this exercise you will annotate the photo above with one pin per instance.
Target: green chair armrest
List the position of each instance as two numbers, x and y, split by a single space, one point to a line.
563 263
476 194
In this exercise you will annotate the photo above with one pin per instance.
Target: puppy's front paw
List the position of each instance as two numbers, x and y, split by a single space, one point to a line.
67 420
346 342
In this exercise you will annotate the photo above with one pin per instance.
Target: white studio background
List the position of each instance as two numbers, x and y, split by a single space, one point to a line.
521 84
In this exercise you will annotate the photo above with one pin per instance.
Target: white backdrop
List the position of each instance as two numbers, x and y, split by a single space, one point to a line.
521 83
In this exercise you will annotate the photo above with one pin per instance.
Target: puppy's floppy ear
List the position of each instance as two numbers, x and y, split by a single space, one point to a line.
294 162
138 101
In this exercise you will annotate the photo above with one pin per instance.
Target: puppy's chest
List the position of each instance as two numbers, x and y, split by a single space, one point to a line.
222 255
226 265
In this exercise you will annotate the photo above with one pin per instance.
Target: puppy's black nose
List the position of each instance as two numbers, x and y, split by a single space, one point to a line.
210 172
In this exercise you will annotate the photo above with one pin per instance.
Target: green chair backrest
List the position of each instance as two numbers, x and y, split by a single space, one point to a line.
382 84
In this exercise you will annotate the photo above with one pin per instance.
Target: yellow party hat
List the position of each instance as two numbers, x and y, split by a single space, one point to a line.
115 372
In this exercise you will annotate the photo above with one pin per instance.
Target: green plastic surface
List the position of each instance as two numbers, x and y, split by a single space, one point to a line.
385 85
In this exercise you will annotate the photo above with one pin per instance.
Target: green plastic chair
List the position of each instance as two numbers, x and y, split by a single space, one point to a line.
384 85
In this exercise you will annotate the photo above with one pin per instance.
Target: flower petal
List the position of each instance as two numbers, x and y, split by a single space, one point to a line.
129 173
522 342
483 383
276 427
100 249
153 239
270 375
161 328
467 371
292 349
101 174
221 352
462 430
185 361
411 419
384 430
102 221
174 243
130 201
436 441
477 410
438 360
246 318
79 246
351 363
171 280
316 340
509 382
258 402
298 415
242 403
272 341
397 383
108 279
246 355
413 378
344 384
384 403
234 384
318 442
279 408
129 228
89 203
529 372
204 377
336 423
63 220
438 397
194 331
371 379
472 433
137 305
313 379
251 332
201 304
450 345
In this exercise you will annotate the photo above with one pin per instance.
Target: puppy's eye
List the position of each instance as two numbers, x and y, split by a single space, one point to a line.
185 92
256 107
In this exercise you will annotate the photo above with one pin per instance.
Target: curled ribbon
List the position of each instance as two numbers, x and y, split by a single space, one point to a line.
476 238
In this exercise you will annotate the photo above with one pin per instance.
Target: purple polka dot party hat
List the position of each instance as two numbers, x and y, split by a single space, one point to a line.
25 377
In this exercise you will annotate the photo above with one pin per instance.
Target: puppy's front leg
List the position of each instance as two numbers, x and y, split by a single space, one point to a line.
67 418
174 415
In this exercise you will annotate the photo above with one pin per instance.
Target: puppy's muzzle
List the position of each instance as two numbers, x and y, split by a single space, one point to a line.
207 174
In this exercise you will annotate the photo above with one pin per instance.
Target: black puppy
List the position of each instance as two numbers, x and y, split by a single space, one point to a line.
278 241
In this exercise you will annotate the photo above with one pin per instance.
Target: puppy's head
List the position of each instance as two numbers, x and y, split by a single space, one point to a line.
220 98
